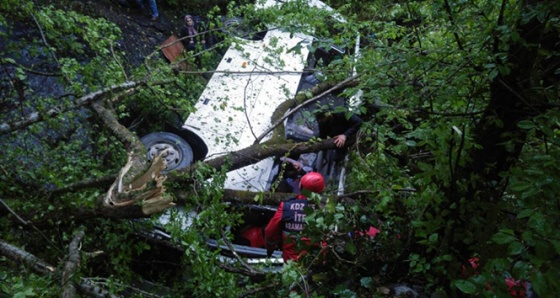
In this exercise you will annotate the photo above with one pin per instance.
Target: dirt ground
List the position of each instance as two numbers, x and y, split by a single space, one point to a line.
141 36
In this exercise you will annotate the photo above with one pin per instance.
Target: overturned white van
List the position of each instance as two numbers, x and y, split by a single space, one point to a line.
253 78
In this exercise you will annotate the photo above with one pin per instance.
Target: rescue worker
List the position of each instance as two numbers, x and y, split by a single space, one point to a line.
289 220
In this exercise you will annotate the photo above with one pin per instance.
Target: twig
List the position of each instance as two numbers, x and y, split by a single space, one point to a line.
25 223
48 47
237 256
450 14
117 60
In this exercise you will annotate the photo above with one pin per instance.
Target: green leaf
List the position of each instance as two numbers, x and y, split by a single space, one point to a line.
320 277
522 186
537 222
556 245
528 238
258 198
515 248
520 268
504 236
366 282
544 250
342 291
539 283
493 73
433 238
465 286
8 60
525 213
350 247
5 289
526 124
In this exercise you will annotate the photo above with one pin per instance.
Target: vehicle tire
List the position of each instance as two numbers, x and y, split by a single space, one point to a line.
179 154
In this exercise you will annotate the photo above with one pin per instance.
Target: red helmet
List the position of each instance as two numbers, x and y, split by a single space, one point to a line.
313 181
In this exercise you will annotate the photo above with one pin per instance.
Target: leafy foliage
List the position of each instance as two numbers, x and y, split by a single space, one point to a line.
458 155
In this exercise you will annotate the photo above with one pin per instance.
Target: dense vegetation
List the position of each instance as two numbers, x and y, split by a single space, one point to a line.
458 158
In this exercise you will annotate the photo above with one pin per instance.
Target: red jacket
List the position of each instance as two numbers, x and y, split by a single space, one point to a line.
286 225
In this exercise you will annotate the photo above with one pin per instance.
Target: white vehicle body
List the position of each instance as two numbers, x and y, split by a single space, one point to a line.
237 104
236 107
252 79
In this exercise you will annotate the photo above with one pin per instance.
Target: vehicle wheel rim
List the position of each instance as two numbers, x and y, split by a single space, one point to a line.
172 156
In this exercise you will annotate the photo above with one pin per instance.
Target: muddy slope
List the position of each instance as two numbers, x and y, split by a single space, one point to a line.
141 36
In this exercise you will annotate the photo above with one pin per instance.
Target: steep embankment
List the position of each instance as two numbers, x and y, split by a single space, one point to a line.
141 36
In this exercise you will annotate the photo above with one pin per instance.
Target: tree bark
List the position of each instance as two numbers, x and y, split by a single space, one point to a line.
71 266
26 258
136 182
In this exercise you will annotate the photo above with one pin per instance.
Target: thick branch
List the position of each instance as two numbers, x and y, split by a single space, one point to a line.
134 182
242 157
236 160
255 153
71 266
36 117
129 140
102 182
26 258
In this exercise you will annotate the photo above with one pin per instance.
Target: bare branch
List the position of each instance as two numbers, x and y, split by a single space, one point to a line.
26 258
254 153
13 213
450 14
248 267
82 101
128 139
71 266
91 289
47 45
